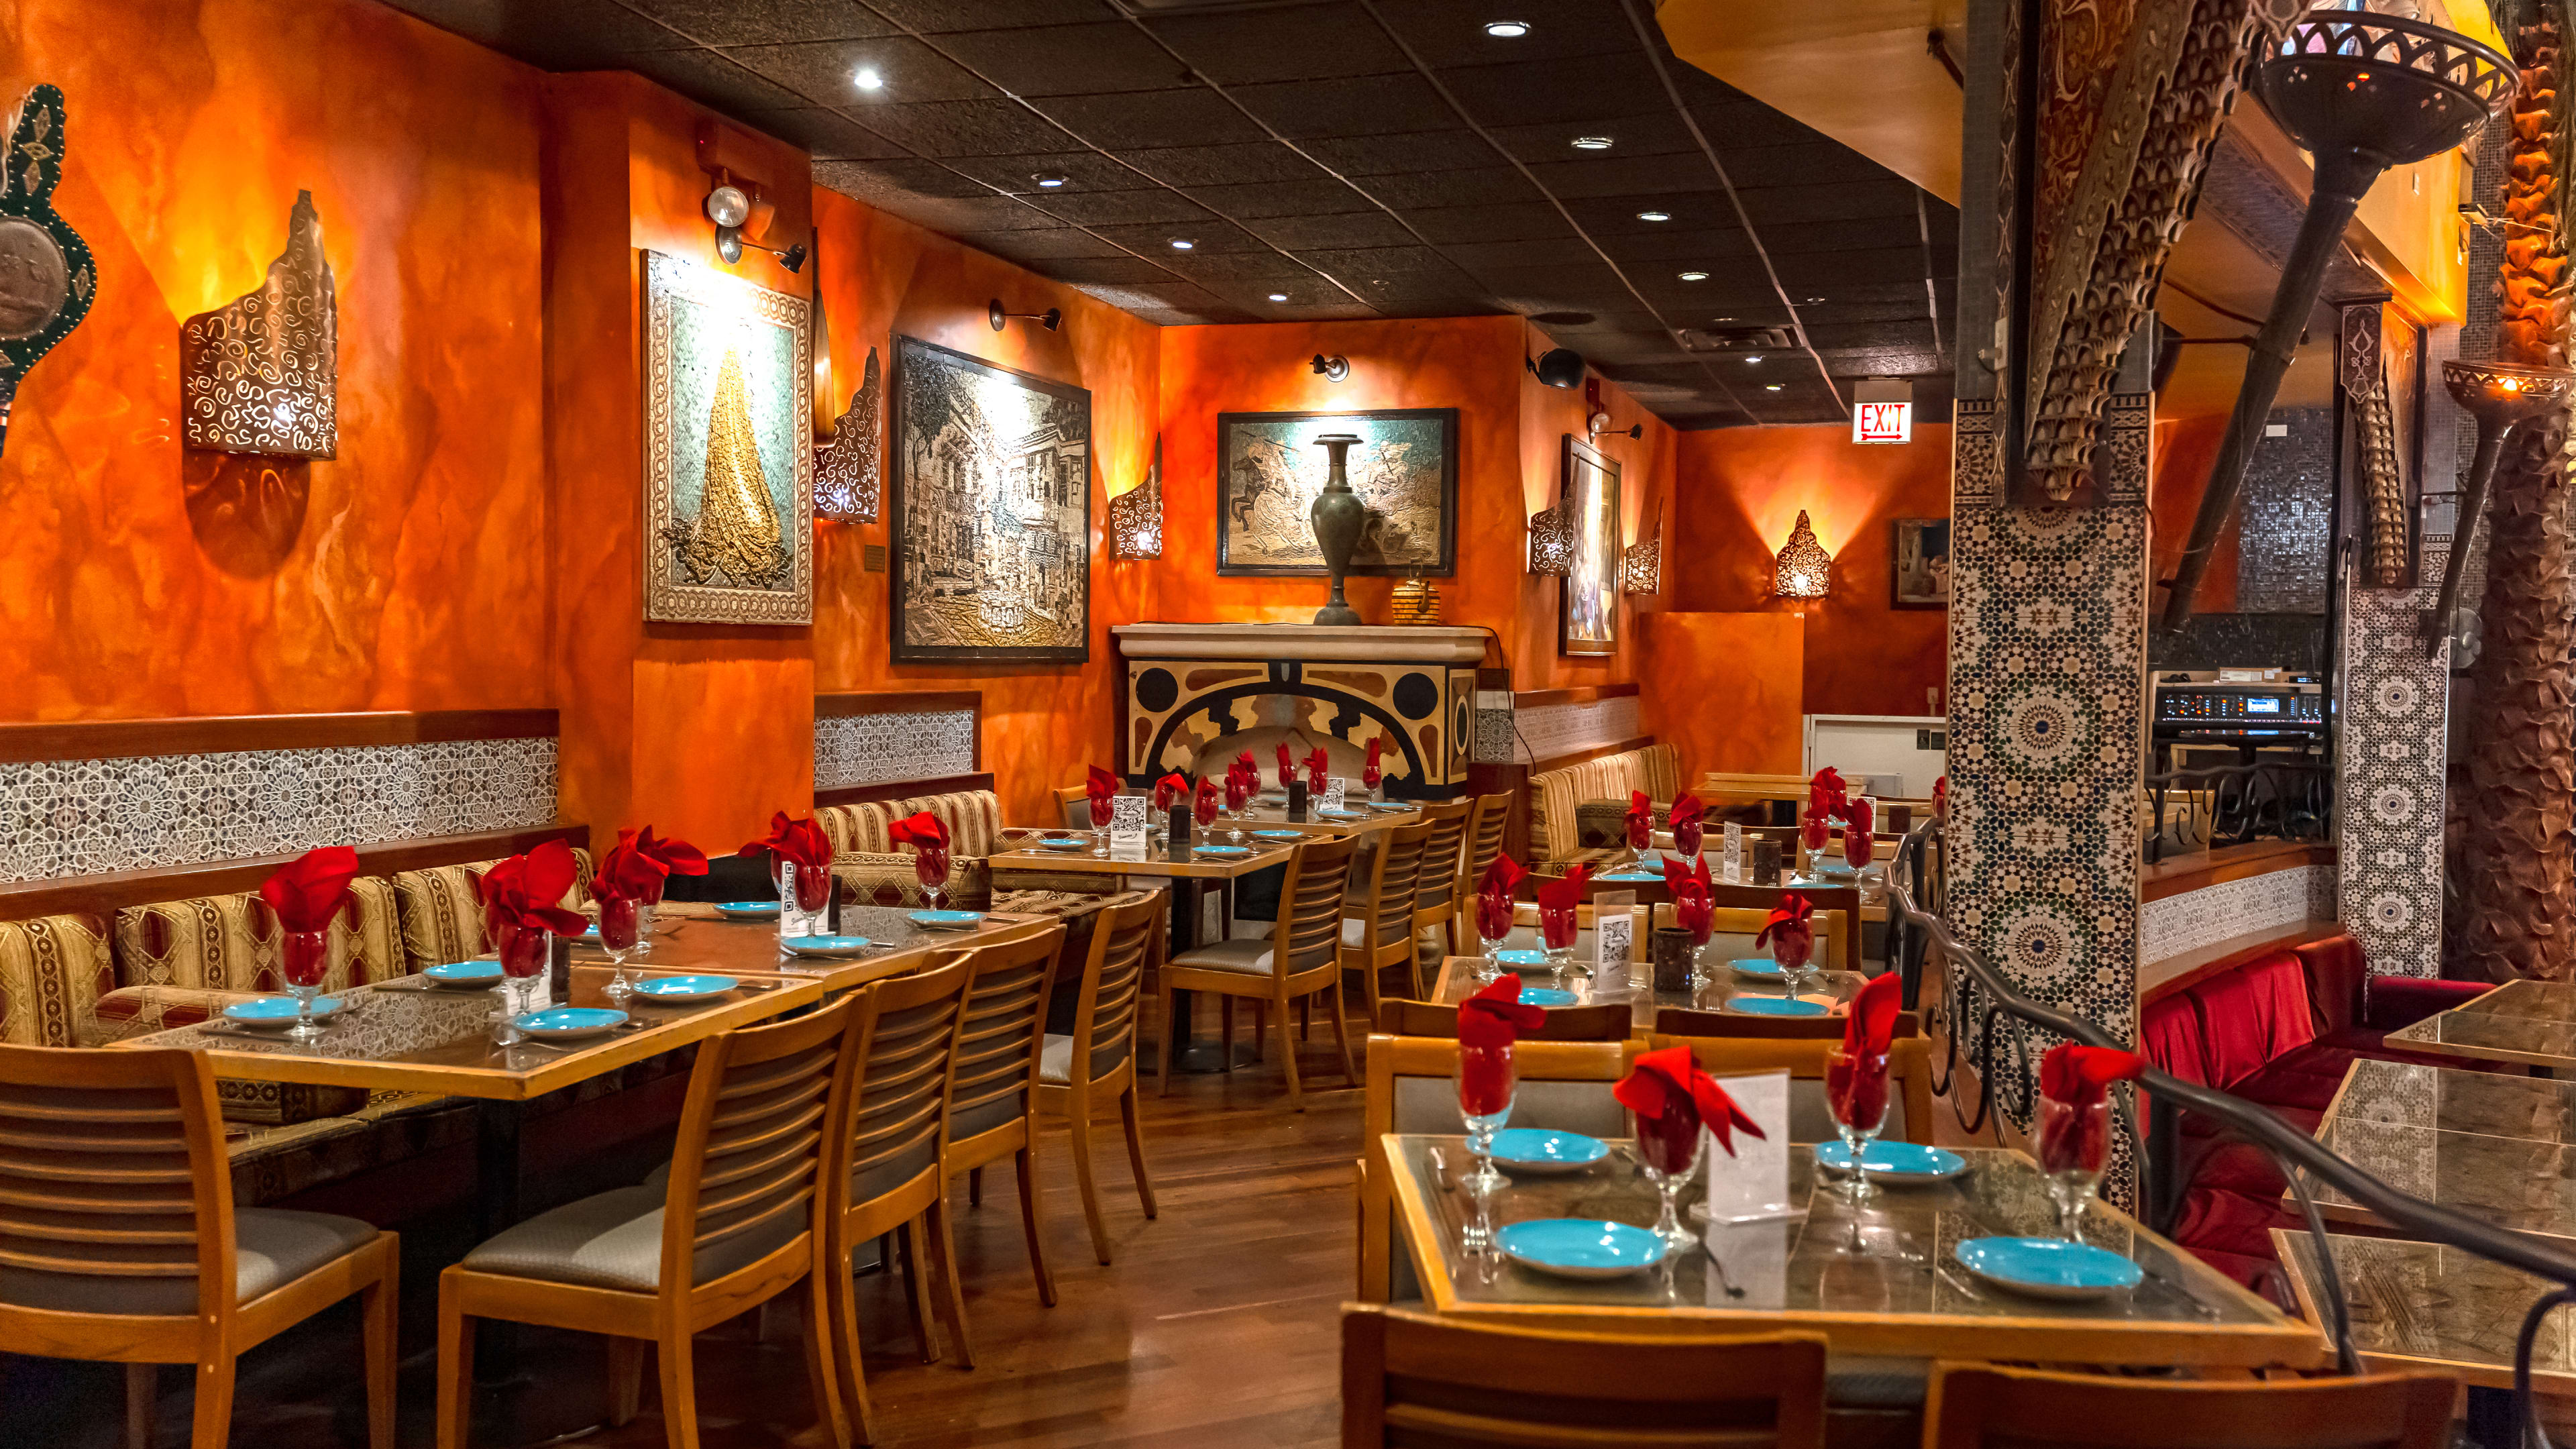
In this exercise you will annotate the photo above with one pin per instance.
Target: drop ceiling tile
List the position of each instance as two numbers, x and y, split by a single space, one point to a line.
1243 164
1487 225
1408 154
1373 105
1483 257
1345 229
1210 235
1669 177
1486 185
1182 297
1834 273
829 135
1354 263
1151 204
1143 120
1047 244
709 77
1846 201
1869 233
1650 133
1618 215
1452 32
1318 197
765 22
903 175
1213 267
1063 60
824 70
571 35
1816 161
949 15
1082 170
959 216
968 128
1604 90
1300 42
1122 271
1709 249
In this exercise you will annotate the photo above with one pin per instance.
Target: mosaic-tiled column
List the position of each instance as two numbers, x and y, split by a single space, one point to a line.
2389 784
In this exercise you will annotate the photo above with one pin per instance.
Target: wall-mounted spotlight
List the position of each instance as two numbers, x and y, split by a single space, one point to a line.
730 245
735 211
1557 367
1050 319
1335 367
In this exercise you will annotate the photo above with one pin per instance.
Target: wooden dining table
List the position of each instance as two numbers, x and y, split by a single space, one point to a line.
2528 1023
2486 1144
1878 1281
1458 980
2426 1306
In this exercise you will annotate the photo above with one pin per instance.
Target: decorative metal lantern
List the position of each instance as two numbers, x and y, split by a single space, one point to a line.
2500 395
1551 541
261 374
1136 516
1642 566
846 481
1803 570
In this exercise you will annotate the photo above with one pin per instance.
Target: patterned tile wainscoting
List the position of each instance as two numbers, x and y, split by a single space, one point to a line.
1552 731
84 817
2389 793
868 749
2205 917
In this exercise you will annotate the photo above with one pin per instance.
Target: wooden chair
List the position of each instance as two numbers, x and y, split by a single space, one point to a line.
1909 1069
1073 806
119 1242
1487 825
1378 931
1974 1406
1684 1021
1300 957
1732 929
1100 1057
1412 1088
993 1085
757 1179
1436 899
1614 1022
906 1030
1420 1378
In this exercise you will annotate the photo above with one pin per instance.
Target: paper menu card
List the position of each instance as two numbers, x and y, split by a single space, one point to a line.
1614 937
1336 789
1128 815
1730 863
1753 1184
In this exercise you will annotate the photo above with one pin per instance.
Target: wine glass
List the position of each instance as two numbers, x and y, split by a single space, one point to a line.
644 905
1238 799
1641 834
1203 810
1697 915
1856 1091
1556 926
1686 839
304 958
525 950
930 867
1486 1082
1493 928
620 935
1791 948
1668 1148
2073 1141
1100 813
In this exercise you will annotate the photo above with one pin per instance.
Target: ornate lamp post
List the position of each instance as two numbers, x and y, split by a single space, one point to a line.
2499 395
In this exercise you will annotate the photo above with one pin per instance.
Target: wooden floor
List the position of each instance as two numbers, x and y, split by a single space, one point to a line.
1217 1325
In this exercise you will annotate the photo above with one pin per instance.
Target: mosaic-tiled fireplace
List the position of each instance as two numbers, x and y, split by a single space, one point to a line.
1197 694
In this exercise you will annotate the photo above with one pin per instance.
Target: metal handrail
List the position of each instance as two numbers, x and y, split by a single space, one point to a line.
2301 811
2299 1154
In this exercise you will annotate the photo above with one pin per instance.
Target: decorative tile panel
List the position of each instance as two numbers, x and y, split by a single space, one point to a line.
869 749
2389 791
83 817
2205 917
1552 731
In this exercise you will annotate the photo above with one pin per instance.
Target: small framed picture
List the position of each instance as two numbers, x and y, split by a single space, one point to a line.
1919 571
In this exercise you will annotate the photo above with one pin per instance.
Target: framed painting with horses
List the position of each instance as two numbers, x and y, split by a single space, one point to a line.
1405 468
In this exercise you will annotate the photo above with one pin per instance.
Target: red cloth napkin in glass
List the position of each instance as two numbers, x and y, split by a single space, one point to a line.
1641 820
1317 764
1488 1023
1859 819
1824 806
1495 891
678 857
1856 1081
1694 902
626 873
798 839
1098 791
923 830
2078 1138
1174 786
1941 799
524 892
1204 811
1247 769
1790 932
1287 766
1370 773
1667 1087
1556 902
1689 823
309 890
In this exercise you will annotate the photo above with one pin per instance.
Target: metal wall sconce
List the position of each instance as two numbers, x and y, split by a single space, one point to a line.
1050 319
1803 569
1551 541
1641 568
1136 516
1333 368
735 211
847 485
2500 396
261 374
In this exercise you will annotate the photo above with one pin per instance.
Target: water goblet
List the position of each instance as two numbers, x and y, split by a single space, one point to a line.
1686 838
1494 929
525 952
1557 929
2072 1142
304 958
644 917
1668 1148
1486 1082
621 934
930 867
1856 1091
1100 812
1203 810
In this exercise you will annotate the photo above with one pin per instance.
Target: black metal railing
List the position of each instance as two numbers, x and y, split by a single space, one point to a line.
2005 1062
2215 805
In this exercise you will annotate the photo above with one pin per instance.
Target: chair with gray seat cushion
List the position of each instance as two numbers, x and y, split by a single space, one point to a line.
1301 956
758 1175
1123 943
119 1241
1729 1044
993 1085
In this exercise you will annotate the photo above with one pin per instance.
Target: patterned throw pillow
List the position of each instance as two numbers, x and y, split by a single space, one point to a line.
53 970
873 879
230 943
132 1011
442 914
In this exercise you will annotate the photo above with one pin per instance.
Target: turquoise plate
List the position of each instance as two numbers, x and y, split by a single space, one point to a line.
569 1023
465 975
1522 960
1224 850
1629 875
1279 835
1065 842
1544 1151
1579 1247
826 945
1391 807
946 920
278 1010
1548 996
1342 814
1775 1006
2049 1267
747 910
1895 1161
678 989
1762 966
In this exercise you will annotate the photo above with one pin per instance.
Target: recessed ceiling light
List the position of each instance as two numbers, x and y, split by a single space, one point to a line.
867 79
1182 243
1278 296
1770 387
1815 299
1694 276
1050 179
1507 29
1591 143
1725 319
1654 216
1753 357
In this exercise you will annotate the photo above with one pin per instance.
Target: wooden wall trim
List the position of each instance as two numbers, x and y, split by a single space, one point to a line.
116 889
1579 756
104 739
902 789
2205 868
901 701
1577 694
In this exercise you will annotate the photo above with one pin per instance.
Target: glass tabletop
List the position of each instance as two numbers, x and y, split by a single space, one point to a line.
2425 1304
715 943
1189 860
1459 980
2482 1143
2528 1021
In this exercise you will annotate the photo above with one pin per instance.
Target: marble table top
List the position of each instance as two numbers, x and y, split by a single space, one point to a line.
1458 981
2530 1022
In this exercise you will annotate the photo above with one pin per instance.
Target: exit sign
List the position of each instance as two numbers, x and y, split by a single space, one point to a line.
1882 422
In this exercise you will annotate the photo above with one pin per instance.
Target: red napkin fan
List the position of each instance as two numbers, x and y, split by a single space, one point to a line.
626 873
309 890
2077 1137
1825 800
1174 786
1556 902
922 831
1641 820
1790 931
1856 1081
1494 893
1673 1098
524 892
796 839
1370 774
1488 1023
1694 902
1287 766
677 857
1317 763
1689 823
1860 818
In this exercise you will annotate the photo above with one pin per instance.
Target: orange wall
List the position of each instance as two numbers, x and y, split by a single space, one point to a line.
1743 488
139 579
884 277
2186 449
1646 493
1724 690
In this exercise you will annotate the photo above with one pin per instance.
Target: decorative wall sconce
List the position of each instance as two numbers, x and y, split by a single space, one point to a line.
736 212
1551 541
846 481
1803 570
261 374
1642 566
1136 516
1050 319
1334 368
2501 396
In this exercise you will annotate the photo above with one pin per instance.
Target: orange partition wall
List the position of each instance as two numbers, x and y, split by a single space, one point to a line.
138 578
2186 451
1647 469
1724 690
1741 491
883 277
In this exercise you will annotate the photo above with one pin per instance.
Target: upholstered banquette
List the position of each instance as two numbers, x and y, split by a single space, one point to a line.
873 870
1557 796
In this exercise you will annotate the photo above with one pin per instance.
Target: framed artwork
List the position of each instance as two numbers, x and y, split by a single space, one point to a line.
728 464
990 502
1587 612
1405 468
1919 563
